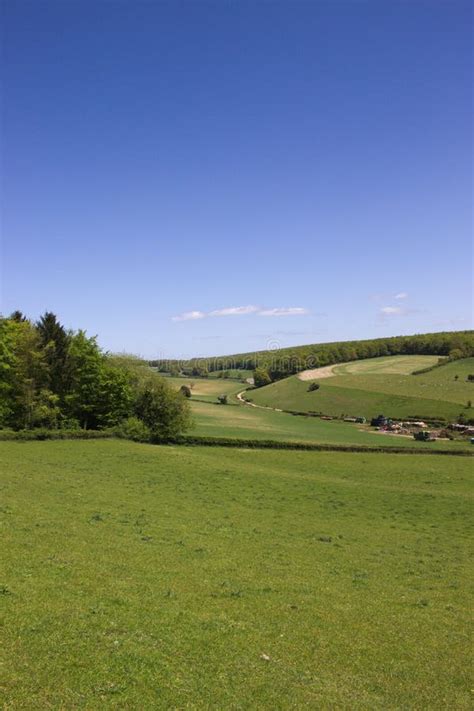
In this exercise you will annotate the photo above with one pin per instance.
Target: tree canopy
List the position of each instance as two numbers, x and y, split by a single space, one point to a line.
287 361
56 378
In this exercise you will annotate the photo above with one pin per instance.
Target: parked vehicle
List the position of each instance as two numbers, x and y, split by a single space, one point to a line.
424 436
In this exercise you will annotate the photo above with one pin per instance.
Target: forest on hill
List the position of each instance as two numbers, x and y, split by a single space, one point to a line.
288 361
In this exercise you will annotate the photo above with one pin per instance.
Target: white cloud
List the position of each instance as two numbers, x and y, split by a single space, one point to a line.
241 311
391 310
287 311
189 316
235 311
401 295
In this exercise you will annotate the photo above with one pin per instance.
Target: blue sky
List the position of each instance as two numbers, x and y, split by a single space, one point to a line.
191 178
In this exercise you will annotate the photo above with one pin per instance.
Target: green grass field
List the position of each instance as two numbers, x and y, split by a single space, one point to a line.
243 421
368 388
145 577
438 384
207 388
388 365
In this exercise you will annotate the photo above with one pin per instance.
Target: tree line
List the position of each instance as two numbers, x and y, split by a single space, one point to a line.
273 365
55 378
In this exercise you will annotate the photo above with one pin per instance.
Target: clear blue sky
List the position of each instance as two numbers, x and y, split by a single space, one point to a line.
188 178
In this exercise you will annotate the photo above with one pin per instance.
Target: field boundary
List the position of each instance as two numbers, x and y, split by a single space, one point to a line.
191 440
236 443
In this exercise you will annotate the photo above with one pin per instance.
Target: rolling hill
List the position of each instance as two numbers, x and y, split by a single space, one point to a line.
379 385
291 360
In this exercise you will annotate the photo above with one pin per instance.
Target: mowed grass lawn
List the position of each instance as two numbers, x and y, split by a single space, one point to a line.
145 577
368 388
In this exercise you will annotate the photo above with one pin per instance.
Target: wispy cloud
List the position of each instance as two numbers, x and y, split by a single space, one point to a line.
284 311
242 311
235 311
391 310
189 316
401 295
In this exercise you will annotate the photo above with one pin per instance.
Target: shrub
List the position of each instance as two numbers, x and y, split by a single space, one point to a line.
261 378
134 429
165 412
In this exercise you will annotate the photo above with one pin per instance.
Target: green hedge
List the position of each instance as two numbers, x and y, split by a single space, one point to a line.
44 434
192 440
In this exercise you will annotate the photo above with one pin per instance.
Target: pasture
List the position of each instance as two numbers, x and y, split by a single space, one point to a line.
145 577
238 420
246 422
375 386
448 383
388 365
207 388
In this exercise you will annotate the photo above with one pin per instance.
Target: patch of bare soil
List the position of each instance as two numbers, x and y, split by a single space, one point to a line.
317 373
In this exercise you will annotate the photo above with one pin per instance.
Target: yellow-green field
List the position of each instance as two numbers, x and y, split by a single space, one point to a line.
399 365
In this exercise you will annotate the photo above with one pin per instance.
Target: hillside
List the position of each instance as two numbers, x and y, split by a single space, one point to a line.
382 385
287 361
237 420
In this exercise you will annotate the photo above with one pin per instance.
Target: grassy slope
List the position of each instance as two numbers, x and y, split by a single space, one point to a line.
438 384
208 388
400 365
144 577
252 423
292 394
246 422
434 394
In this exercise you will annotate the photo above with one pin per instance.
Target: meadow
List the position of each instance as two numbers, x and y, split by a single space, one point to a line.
448 383
207 388
145 577
387 365
379 385
246 422
237 420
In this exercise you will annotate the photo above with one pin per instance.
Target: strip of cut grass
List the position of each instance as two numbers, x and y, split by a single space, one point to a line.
399 365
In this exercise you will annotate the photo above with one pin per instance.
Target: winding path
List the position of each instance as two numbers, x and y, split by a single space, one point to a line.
240 397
